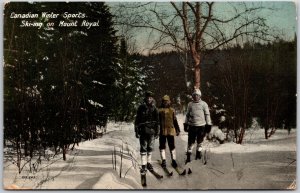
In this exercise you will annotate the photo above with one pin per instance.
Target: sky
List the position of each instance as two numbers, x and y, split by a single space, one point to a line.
280 16
284 17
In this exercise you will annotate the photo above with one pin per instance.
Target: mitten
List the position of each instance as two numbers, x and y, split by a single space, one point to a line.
185 127
207 128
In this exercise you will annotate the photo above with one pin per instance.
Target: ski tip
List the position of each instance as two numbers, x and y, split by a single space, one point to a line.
190 171
183 173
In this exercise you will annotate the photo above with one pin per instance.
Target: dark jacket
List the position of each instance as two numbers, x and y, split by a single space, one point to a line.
147 120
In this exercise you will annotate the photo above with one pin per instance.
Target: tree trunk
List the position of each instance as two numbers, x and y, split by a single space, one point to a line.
64 148
197 75
197 70
266 131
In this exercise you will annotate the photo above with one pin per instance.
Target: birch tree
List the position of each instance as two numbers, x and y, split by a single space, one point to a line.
194 27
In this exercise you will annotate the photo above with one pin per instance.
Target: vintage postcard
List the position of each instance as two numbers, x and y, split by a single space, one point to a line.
149 95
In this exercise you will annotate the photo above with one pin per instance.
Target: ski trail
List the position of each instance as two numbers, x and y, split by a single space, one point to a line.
109 181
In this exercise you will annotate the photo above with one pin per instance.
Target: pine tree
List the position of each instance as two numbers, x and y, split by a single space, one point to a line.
131 85
58 81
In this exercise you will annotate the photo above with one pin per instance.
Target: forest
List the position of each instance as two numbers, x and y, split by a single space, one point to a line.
62 85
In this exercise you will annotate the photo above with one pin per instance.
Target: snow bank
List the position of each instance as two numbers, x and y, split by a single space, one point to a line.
88 166
109 181
254 141
119 137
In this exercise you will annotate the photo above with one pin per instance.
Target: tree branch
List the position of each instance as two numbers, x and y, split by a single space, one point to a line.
208 19
236 16
184 19
166 27
192 8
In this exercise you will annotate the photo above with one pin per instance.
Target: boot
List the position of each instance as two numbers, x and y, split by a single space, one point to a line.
198 155
188 157
149 166
174 163
143 169
164 164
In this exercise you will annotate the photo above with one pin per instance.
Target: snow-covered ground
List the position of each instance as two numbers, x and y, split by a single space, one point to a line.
256 164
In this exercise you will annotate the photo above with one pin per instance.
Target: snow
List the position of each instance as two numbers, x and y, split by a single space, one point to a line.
46 58
95 103
97 82
255 164
220 110
109 181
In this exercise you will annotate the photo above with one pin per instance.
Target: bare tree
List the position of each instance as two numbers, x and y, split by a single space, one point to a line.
234 75
194 27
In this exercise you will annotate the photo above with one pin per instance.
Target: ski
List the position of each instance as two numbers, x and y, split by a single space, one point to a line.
157 175
205 158
143 179
166 170
189 171
180 171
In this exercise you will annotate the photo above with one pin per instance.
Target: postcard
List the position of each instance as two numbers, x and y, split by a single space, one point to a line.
150 95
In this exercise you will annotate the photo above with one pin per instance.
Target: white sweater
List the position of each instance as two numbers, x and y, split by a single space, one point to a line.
198 114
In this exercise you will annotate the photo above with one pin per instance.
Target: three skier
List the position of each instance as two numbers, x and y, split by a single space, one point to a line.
151 123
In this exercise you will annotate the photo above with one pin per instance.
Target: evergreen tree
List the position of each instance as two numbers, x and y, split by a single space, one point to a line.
131 85
58 80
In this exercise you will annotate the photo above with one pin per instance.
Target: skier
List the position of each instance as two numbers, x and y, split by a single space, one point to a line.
168 129
197 123
147 129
